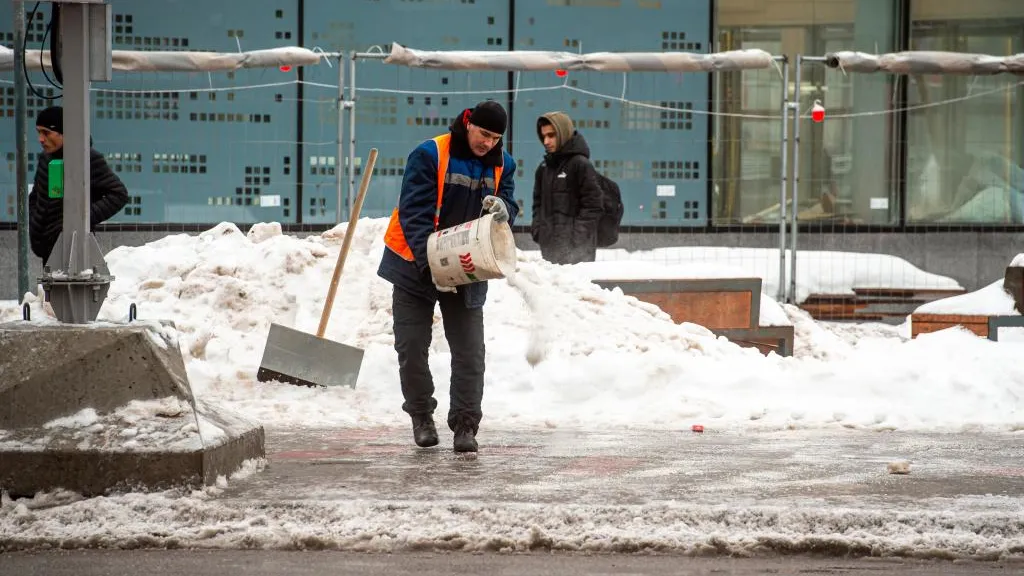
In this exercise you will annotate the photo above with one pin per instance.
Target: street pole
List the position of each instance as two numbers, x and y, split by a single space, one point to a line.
21 145
76 278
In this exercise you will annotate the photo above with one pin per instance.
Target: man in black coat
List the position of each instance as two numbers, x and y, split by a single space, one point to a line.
566 195
46 215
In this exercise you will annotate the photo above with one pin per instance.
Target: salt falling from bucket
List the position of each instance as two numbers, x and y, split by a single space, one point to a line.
536 346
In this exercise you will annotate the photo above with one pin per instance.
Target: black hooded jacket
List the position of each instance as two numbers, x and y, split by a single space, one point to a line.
567 204
46 215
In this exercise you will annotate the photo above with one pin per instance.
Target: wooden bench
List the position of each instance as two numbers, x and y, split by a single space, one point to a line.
729 307
924 323
873 304
778 339
986 326
980 324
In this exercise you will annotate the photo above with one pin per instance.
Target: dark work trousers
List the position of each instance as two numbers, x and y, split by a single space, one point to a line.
464 330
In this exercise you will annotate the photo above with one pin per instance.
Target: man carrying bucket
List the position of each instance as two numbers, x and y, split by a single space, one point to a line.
449 180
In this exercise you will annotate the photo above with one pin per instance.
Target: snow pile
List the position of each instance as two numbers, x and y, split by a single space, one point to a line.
988 530
992 300
818 272
771 313
165 424
561 351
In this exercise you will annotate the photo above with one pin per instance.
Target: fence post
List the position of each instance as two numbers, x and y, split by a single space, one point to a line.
784 160
21 145
340 162
352 128
796 178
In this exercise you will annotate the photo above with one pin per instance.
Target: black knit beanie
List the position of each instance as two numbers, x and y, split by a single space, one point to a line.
52 118
490 116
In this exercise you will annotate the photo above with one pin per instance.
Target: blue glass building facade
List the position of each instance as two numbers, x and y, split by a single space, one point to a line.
256 145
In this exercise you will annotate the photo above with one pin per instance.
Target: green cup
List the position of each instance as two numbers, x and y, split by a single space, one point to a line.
55 186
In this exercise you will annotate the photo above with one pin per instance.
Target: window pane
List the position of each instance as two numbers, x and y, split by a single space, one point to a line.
846 162
746 149
964 152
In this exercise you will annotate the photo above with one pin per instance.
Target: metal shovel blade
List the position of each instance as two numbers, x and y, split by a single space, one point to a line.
299 358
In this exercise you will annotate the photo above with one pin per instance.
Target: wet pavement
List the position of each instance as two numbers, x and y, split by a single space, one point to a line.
639 467
567 502
274 563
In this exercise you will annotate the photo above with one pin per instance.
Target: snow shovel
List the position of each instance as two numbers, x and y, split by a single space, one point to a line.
296 357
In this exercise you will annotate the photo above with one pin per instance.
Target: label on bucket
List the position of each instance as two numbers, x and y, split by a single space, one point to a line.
452 241
476 251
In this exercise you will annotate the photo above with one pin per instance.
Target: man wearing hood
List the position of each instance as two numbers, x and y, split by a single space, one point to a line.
476 175
567 199
107 194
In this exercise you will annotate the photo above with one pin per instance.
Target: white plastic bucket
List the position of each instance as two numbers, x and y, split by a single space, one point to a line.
476 251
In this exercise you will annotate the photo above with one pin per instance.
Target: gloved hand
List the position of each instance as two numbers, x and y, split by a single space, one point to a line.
427 273
496 206
439 288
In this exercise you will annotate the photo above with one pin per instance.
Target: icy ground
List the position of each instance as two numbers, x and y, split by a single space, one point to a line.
789 492
606 361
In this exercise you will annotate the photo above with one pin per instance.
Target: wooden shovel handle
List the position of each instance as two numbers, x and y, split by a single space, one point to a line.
350 232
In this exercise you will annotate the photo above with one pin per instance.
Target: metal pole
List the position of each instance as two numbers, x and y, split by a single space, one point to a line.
77 293
796 178
21 143
75 62
340 162
784 157
352 128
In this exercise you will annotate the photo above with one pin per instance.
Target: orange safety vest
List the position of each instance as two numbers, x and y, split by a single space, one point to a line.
394 238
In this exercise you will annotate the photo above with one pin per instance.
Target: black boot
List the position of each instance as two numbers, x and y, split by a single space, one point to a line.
423 430
465 437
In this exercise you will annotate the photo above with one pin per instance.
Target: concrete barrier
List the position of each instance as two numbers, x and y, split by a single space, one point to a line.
104 407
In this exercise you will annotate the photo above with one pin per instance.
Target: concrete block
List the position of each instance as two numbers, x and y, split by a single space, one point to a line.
122 451
51 370
102 407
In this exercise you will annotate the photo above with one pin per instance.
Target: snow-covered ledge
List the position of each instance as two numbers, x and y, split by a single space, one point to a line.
1000 298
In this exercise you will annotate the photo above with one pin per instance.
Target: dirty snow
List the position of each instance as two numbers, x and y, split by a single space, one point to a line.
971 528
163 424
561 351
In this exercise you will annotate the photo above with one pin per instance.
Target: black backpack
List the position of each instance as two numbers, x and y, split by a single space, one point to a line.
608 225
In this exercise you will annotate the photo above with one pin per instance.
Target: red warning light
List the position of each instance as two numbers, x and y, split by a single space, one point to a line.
286 68
561 73
818 112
